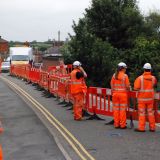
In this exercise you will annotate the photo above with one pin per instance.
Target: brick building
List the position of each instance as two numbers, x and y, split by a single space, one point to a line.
4 47
53 57
37 56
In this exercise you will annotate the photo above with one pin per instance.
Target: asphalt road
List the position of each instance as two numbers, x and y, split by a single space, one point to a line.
101 141
25 137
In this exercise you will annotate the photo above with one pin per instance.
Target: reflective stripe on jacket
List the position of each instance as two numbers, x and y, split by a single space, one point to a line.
77 85
121 84
145 86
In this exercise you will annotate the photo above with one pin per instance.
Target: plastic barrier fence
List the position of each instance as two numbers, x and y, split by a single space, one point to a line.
60 70
18 70
98 100
53 84
43 81
34 75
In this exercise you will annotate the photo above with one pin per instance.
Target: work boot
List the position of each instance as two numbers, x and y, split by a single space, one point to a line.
152 130
138 130
118 127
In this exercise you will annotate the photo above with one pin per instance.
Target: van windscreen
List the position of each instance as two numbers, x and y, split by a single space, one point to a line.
20 58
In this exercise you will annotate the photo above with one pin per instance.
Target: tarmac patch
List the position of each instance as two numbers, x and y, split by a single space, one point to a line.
115 134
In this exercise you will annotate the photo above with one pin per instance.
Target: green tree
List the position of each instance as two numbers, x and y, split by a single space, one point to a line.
153 23
112 31
96 56
145 50
117 21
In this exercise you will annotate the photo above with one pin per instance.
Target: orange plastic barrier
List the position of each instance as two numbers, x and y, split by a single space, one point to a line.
69 96
60 70
27 72
132 110
18 70
44 80
11 70
62 87
59 77
53 84
99 102
59 86
34 75
157 107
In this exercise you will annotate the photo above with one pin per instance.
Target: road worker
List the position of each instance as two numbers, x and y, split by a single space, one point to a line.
120 86
78 89
145 84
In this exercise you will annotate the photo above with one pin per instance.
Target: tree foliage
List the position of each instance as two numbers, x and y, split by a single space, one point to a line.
117 21
153 22
112 31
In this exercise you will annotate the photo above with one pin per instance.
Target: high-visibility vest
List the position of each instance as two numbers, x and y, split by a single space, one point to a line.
119 85
77 85
146 91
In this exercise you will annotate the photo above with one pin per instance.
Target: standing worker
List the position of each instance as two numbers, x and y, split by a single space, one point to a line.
78 89
145 84
120 86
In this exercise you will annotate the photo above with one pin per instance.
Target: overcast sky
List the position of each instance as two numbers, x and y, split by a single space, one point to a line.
28 20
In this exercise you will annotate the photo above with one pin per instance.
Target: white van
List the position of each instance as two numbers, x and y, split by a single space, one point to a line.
21 55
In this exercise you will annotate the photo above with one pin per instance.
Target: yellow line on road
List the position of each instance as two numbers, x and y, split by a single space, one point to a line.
52 120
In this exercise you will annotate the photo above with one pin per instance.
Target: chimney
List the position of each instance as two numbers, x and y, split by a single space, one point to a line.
59 36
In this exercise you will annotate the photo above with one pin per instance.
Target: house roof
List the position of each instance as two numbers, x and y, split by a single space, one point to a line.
52 55
53 52
2 40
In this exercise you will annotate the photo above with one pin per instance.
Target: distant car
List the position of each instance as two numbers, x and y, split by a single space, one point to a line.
5 66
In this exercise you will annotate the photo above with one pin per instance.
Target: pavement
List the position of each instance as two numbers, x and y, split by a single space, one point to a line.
24 137
103 142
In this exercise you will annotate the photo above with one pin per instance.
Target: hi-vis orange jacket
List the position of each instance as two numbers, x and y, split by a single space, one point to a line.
121 84
145 86
77 85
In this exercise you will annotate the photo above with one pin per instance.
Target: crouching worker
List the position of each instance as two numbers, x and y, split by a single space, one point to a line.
78 89
145 84
120 86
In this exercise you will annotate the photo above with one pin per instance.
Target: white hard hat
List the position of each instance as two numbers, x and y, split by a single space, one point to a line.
76 63
122 64
147 66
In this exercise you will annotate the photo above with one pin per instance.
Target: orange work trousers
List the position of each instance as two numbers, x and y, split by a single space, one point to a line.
1 153
78 105
120 102
142 109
